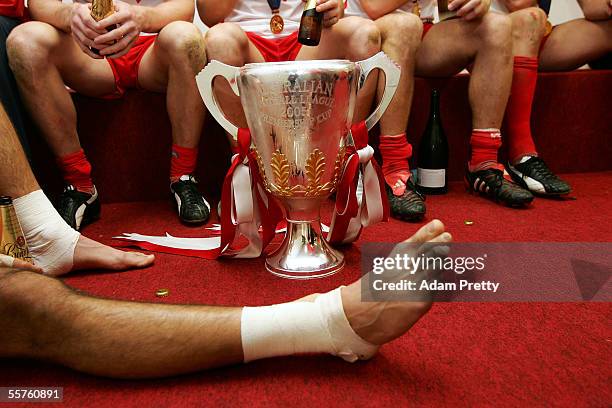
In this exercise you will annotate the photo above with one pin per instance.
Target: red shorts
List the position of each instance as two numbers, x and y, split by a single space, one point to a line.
125 69
426 27
277 49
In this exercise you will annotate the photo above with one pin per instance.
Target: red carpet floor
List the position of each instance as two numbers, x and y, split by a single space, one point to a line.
460 355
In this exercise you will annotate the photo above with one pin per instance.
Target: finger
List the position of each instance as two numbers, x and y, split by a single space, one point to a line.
86 33
427 232
456 4
473 15
26 266
115 19
85 49
115 35
327 6
88 21
467 8
120 48
330 21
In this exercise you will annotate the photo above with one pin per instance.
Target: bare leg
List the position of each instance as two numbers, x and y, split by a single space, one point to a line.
46 320
17 180
351 38
576 43
452 45
170 65
354 39
401 36
229 44
528 30
43 60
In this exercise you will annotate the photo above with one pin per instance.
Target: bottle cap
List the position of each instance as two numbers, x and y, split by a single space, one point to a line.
6 200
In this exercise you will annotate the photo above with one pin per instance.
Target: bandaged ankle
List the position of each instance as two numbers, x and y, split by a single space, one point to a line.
50 240
302 328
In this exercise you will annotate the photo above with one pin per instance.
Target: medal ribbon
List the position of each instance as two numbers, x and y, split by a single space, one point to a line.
274 5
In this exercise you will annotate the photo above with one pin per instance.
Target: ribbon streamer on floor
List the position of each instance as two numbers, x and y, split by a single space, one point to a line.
250 217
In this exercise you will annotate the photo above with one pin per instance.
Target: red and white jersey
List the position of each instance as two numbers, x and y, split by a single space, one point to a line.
353 8
499 7
254 16
12 8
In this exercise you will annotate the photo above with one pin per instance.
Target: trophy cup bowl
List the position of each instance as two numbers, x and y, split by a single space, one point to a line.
299 115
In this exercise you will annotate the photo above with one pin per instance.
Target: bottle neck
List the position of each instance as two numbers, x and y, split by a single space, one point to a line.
434 108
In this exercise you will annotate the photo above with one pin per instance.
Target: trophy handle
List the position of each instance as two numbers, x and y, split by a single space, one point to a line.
204 81
392 76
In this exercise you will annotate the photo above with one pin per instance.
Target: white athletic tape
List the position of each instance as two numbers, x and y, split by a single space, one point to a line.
50 240
302 327
6 261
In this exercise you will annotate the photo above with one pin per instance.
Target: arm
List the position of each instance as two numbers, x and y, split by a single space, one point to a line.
53 12
595 10
150 19
132 20
515 5
378 8
214 11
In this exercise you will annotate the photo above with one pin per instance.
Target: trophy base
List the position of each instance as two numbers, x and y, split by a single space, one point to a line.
304 253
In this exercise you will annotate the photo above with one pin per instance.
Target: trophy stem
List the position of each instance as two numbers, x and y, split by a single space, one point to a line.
304 253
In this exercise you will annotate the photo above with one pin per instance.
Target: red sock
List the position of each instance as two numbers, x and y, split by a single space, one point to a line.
518 112
395 151
76 170
485 144
183 161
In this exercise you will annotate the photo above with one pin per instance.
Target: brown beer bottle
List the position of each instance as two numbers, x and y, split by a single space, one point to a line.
100 9
311 25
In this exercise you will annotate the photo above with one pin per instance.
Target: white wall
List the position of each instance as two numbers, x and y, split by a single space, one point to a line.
564 10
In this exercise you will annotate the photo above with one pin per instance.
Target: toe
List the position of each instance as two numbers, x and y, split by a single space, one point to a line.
135 260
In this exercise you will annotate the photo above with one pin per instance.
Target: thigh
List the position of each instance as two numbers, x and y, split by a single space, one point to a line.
576 43
446 49
92 77
338 40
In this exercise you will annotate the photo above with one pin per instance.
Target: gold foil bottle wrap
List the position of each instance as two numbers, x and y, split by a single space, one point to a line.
310 4
100 9
443 12
12 240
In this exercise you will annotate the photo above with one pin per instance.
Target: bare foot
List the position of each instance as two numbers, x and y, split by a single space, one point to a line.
90 254
381 322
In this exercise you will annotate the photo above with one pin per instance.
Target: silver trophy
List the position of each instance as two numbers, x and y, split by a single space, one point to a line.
300 114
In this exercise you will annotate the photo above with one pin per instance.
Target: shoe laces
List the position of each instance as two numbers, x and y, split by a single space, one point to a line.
536 167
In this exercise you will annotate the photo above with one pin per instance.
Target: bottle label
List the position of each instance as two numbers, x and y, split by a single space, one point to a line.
431 178
310 4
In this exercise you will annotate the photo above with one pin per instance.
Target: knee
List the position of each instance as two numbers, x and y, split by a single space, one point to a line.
226 42
28 47
365 38
183 43
529 23
495 30
400 31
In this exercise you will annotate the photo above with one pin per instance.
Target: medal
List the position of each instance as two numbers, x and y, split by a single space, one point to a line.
276 22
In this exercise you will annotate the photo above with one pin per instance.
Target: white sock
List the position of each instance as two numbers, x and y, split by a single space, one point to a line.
50 240
302 327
